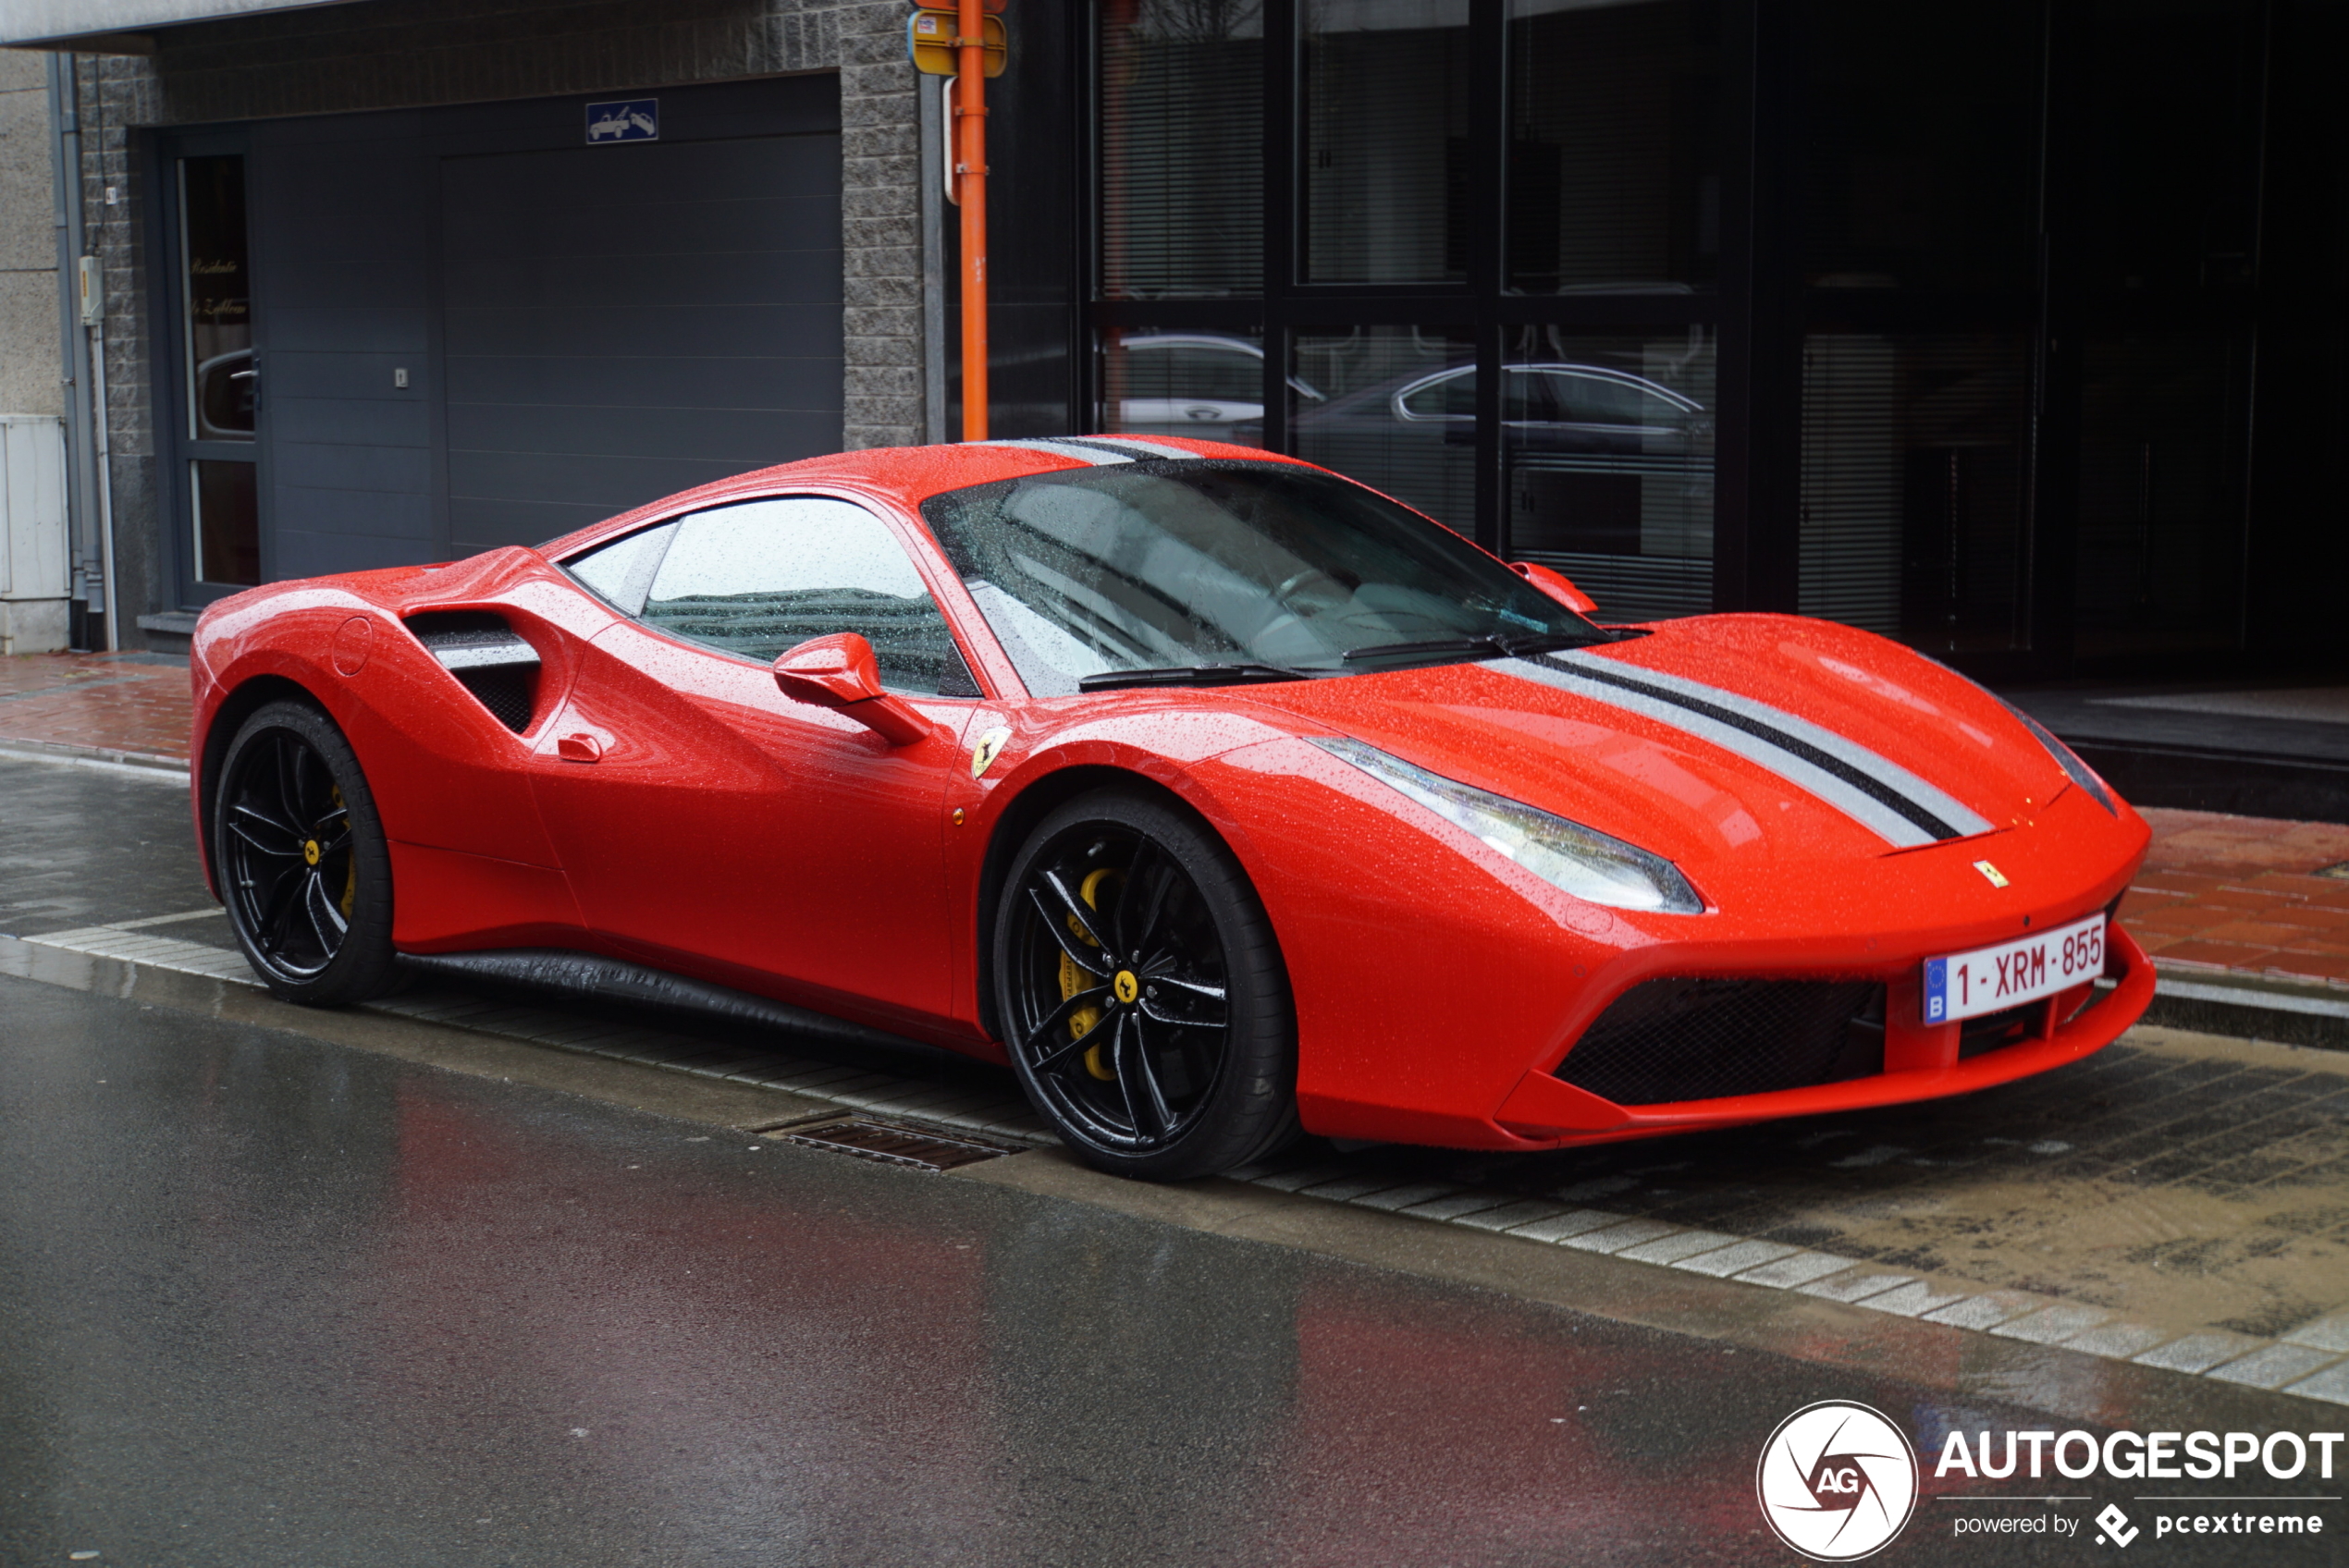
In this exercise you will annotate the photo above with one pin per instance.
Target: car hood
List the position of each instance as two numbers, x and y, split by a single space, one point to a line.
1718 737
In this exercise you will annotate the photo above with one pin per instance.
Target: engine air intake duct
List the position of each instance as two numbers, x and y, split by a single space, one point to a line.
487 657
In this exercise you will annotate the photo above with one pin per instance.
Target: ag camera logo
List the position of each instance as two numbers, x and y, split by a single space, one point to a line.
1836 1481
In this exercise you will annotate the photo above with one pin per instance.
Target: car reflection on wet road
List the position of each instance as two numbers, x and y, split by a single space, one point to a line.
265 1299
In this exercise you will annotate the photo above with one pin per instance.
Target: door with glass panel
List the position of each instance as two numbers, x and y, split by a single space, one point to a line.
216 422
719 829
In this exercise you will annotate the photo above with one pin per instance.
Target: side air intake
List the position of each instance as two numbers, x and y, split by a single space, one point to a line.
489 658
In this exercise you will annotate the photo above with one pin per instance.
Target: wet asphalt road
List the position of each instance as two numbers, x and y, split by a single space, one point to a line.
266 1300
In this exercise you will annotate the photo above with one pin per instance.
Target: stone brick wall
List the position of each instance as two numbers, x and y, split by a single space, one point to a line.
411 54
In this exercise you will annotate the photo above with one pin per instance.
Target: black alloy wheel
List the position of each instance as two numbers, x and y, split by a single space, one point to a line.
1142 992
300 858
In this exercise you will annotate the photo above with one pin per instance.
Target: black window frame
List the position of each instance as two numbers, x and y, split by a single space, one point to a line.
1288 306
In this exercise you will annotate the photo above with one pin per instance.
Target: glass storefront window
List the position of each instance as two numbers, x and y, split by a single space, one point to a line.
1613 165
1923 143
227 518
2173 196
1394 407
1915 472
1159 382
1607 442
2163 422
1386 141
218 291
1182 85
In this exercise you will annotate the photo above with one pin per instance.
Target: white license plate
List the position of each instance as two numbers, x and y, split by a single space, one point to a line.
1990 979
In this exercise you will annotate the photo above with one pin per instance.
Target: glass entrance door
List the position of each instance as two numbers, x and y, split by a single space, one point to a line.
218 378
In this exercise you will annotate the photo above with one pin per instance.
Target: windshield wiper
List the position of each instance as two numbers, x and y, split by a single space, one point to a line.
1188 675
1497 642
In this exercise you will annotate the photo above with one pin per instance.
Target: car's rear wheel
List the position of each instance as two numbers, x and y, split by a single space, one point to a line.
302 859
1143 996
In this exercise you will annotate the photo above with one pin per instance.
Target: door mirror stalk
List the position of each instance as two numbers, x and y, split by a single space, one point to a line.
839 672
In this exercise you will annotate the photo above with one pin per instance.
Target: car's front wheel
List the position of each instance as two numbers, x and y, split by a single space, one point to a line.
300 859
1143 997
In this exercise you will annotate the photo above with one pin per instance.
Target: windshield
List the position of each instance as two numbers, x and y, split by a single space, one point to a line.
1202 569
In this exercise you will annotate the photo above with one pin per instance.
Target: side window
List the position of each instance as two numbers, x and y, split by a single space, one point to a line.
621 573
763 577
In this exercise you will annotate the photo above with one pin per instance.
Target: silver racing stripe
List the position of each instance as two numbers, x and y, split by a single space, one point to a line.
1850 752
1096 456
1872 789
1136 447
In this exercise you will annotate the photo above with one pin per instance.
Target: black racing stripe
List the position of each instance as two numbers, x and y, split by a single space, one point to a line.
1794 746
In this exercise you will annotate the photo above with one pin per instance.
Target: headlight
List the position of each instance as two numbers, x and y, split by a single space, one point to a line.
1569 857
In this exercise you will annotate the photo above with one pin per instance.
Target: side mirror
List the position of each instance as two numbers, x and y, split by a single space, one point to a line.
1557 585
838 672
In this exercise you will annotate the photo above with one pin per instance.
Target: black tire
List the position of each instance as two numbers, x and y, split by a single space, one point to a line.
299 856
1191 1067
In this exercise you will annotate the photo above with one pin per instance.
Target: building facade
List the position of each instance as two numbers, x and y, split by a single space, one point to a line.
2013 329
35 578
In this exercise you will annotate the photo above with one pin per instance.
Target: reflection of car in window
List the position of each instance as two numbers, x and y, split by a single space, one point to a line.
1193 383
224 397
1546 407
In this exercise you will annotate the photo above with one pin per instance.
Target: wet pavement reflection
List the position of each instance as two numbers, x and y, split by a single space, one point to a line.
266 1300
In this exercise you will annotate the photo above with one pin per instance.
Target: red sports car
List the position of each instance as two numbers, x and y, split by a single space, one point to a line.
1213 793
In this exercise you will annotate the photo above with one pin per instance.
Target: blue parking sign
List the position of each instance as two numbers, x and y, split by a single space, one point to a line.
629 119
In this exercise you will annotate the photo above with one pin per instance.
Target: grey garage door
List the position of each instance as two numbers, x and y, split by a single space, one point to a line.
621 321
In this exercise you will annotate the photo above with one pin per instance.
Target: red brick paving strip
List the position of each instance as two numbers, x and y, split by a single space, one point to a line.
97 701
2216 892
2237 893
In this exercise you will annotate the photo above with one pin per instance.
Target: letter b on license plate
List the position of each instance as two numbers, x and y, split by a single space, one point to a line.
1992 979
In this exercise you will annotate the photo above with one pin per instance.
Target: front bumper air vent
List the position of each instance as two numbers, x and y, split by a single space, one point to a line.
1682 1039
489 658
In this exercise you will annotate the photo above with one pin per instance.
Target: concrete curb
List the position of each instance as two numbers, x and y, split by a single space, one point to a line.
148 765
2251 1008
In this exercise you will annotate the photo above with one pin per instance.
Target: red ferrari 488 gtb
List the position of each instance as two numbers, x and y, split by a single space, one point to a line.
1217 795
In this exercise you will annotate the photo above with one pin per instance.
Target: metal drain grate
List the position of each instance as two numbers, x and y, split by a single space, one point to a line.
924 1148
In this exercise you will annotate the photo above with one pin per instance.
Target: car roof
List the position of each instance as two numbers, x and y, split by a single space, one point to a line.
910 475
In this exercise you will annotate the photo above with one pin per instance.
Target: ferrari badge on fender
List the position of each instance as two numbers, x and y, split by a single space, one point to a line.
991 746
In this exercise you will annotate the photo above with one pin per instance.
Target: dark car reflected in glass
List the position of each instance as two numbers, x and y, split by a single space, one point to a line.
1592 452
1552 408
1206 384
225 396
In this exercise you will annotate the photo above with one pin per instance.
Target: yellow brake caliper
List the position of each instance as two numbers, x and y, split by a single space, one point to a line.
1073 978
351 880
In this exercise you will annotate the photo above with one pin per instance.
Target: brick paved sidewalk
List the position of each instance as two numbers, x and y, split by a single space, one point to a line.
106 704
2242 894
2218 893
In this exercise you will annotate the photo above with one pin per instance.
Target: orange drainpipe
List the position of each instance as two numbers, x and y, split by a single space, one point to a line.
970 172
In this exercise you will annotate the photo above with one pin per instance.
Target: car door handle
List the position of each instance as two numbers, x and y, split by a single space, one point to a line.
579 748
